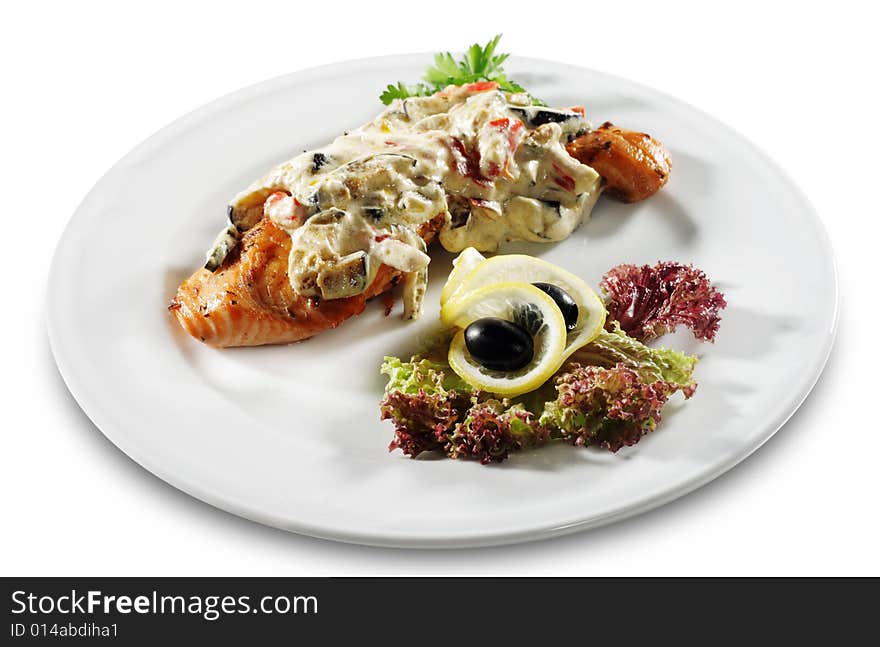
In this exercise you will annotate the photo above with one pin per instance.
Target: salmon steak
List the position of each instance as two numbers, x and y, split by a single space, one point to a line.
308 244
248 300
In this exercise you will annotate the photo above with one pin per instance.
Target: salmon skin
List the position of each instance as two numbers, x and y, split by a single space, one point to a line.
248 300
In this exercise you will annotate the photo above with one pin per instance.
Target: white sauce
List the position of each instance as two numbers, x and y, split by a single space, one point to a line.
469 155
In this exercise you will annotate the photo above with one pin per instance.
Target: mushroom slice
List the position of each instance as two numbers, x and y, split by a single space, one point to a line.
345 278
415 282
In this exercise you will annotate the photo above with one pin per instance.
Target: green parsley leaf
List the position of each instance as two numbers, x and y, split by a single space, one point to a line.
478 64
401 91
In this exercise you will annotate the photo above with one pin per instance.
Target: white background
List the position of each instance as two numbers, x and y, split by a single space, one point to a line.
85 82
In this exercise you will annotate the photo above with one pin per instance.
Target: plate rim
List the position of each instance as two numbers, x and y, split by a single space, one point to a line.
100 418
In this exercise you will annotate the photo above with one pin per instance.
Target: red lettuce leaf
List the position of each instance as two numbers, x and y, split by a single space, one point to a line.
652 301
424 400
421 420
605 407
492 430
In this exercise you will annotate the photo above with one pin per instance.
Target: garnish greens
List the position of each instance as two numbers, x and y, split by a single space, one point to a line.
609 393
478 64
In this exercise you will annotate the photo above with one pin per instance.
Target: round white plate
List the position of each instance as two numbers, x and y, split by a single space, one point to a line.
290 436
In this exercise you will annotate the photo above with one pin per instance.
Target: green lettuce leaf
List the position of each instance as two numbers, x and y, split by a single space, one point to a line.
424 400
615 347
429 376
606 407
492 430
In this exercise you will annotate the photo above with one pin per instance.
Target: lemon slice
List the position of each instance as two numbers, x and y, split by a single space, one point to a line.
523 304
528 269
466 261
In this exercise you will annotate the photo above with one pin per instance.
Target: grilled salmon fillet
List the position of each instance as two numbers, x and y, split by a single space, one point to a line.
249 301
355 204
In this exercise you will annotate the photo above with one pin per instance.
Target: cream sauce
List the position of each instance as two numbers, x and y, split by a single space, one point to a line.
491 166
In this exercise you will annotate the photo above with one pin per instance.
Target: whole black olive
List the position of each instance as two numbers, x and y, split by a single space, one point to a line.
499 345
563 299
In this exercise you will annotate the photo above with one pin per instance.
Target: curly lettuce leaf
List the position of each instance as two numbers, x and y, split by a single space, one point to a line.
428 375
612 391
650 301
492 430
606 407
424 400
613 347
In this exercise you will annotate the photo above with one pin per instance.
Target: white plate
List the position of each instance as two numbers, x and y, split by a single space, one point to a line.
290 437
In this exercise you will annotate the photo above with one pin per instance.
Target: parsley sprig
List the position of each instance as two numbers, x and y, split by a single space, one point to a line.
477 64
